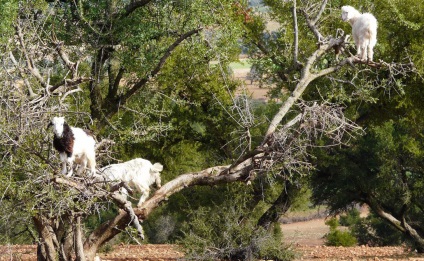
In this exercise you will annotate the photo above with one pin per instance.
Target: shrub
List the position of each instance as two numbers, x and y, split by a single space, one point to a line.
333 223
271 248
352 217
161 229
224 231
338 238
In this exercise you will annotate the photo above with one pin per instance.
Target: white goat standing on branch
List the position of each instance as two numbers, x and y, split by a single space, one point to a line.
138 173
73 144
364 30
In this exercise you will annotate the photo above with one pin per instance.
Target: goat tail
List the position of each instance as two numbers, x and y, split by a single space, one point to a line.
157 167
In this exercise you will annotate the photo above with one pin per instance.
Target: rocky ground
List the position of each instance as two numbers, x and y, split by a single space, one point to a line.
170 252
305 238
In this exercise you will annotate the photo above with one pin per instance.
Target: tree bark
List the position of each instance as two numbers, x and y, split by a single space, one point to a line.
46 250
280 206
400 224
210 176
79 249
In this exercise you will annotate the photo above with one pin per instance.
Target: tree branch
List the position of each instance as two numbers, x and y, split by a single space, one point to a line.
207 177
402 225
386 216
137 86
64 56
312 24
69 83
281 73
320 12
126 205
22 75
307 76
134 5
296 33
114 85
79 250
29 61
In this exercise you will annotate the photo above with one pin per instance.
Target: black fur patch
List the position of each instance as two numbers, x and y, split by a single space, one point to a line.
66 142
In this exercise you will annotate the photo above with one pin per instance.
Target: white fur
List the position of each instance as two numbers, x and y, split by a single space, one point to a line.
138 173
364 31
83 149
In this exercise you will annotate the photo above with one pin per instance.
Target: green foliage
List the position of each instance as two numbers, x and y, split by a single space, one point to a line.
340 238
8 13
302 200
333 223
186 156
271 246
336 237
373 231
224 231
383 168
352 217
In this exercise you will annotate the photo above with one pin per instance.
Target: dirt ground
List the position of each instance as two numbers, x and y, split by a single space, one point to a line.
306 238
250 88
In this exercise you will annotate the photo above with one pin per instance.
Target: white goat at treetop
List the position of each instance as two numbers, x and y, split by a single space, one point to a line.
74 145
364 30
138 173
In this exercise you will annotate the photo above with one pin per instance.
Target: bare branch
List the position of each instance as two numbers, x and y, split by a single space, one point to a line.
312 26
30 62
63 55
123 98
69 83
79 249
103 143
22 75
296 33
320 12
308 75
126 205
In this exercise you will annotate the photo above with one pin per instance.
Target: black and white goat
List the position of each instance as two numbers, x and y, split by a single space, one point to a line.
74 145
138 173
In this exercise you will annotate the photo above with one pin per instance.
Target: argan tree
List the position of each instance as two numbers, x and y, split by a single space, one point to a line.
101 61
383 168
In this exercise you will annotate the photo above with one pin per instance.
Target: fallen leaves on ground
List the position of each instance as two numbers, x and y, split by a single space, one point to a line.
170 252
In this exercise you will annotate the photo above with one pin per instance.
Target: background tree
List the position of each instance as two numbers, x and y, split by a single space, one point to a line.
383 168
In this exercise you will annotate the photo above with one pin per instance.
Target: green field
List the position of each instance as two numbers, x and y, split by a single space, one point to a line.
243 64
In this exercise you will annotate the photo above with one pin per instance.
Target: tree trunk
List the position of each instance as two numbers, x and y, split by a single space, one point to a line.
401 225
66 245
280 206
46 250
79 249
